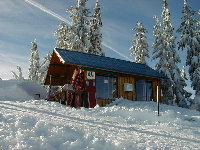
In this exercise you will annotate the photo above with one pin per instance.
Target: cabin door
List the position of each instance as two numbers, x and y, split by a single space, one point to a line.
143 90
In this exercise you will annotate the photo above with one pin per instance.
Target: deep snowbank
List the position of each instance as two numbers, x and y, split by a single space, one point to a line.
20 90
38 124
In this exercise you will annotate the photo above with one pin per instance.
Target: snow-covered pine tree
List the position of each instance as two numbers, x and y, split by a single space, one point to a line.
19 76
195 62
196 74
190 40
183 73
196 80
34 63
20 73
187 31
79 38
173 58
62 34
168 59
15 76
160 54
95 35
181 94
140 45
44 68
198 23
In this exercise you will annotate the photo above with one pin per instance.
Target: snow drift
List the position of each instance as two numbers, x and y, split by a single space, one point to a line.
40 124
21 90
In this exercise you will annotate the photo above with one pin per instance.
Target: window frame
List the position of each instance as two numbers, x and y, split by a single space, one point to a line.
114 87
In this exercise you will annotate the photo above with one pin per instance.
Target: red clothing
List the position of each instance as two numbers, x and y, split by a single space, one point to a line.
91 89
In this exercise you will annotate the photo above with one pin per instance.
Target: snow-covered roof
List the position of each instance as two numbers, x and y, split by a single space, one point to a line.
105 63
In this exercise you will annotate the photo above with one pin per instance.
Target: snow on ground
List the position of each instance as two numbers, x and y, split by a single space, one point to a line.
21 90
39 124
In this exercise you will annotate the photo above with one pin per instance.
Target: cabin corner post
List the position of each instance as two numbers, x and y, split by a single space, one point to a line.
156 83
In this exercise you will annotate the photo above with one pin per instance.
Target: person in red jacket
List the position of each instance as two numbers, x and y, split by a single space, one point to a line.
91 90
77 84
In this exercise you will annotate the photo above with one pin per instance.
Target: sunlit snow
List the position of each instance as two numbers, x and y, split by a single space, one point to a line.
40 124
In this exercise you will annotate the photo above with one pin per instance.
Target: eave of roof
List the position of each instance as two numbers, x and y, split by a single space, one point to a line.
105 63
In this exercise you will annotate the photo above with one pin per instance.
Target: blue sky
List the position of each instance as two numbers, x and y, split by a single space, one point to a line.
21 23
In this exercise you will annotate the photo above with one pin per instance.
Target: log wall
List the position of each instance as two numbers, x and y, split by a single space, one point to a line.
103 102
121 92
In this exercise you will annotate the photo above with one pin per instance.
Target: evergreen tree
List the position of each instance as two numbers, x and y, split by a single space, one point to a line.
173 89
173 58
19 76
15 76
190 40
34 63
183 73
187 29
95 35
198 24
196 80
62 33
196 60
140 45
44 68
79 29
20 73
162 66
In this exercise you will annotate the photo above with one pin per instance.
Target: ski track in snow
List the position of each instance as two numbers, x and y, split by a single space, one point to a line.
121 135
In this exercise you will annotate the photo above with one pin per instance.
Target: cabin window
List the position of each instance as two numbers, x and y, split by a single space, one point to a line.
144 90
105 87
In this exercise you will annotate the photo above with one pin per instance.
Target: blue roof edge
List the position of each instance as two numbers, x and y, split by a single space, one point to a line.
158 75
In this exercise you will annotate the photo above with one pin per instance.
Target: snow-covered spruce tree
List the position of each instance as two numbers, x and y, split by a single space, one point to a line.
95 35
34 63
19 76
198 23
196 79
20 73
168 61
62 36
173 58
187 30
162 66
79 38
190 40
195 62
140 45
44 68
183 73
195 65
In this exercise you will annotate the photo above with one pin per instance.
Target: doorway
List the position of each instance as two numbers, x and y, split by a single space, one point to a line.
143 90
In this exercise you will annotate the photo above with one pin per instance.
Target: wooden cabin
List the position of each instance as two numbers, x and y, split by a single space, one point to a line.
102 79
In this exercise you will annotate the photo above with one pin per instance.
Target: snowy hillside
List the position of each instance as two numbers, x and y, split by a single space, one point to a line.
38 124
21 90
